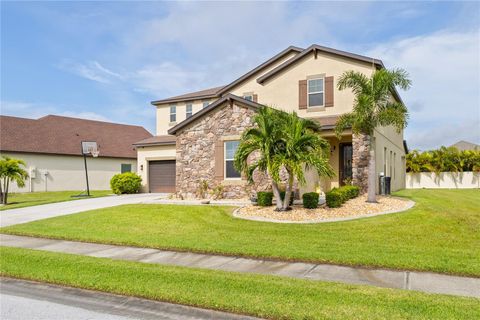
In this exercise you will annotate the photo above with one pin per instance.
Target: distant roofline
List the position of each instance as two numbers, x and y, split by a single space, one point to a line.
82 119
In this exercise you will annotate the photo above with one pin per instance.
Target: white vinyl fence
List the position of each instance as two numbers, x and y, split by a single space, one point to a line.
444 180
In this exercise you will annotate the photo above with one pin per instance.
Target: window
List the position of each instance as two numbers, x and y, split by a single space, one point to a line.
248 96
126 167
230 149
205 104
315 93
394 165
188 110
173 113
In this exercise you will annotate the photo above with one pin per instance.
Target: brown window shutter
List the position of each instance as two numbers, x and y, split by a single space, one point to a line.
255 98
219 160
302 94
329 89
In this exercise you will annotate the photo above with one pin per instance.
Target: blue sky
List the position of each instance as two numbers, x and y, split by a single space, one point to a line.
108 60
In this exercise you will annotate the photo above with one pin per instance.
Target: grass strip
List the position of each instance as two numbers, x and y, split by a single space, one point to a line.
21 200
258 295
440 234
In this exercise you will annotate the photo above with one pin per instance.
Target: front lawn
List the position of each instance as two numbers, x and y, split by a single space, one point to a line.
440 234
20 200
258 295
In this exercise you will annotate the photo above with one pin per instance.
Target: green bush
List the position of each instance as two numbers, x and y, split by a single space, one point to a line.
334 198
282 195
264 199
310 200
337 196
443 160
127 182
351 191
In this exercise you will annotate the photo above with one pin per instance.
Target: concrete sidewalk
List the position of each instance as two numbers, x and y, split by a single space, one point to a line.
24 300
27 214
418 281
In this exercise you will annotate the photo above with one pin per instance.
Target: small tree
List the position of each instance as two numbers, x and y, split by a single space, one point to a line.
283 142
373 107
11 170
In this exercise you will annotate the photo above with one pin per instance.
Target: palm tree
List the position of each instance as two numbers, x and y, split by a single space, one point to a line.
11 170
282 142
373 107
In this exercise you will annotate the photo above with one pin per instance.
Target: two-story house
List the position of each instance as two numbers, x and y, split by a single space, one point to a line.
198 133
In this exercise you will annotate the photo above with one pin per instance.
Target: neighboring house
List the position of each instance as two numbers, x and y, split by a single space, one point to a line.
198 133
51 147
465 145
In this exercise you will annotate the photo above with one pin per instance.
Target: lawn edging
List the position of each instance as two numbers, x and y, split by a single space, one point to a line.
410 205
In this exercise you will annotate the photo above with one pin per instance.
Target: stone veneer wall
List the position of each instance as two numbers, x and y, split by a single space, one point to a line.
196 153
361 148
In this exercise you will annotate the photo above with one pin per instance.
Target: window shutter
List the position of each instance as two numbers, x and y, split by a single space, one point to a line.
219 160
255 98
329 90
302 94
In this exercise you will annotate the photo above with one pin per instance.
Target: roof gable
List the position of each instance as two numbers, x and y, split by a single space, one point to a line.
211 107
314 49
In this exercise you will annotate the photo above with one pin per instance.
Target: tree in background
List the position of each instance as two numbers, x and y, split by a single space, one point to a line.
373 107
11 171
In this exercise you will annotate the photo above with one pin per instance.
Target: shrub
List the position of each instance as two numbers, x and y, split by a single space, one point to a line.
264 199
127 182
310 200
351 191
282 195
334 198
337 196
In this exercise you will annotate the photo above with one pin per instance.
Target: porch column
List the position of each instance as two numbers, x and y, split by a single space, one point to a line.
361 147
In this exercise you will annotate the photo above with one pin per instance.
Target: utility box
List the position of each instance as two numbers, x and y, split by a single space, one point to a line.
33 172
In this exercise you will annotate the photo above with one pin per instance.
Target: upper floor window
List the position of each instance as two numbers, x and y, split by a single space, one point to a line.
248 97
205 104
316 93
230 149
188 110
173 113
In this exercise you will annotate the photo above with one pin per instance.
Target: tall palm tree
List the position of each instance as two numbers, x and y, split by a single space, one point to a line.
373 107
11 170
282 141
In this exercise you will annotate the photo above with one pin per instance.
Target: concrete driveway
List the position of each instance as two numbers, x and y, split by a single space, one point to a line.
27 214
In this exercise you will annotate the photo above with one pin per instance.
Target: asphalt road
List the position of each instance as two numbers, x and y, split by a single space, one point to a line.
25 300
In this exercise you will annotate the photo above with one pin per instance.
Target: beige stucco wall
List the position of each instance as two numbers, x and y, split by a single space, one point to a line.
392 164
145 154
445 180
68 172
281 91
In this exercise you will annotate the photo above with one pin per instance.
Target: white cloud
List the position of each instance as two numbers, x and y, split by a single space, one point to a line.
444 100
91 70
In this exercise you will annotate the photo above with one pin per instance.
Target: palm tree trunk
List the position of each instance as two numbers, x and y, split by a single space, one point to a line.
371 174
276 194
5 194
288 192
1 192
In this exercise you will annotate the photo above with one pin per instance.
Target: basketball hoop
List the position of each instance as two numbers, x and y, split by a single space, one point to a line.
89 147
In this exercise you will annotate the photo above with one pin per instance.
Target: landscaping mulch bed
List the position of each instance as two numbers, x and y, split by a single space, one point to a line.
356 207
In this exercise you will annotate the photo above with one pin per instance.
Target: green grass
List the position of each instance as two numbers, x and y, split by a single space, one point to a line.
259 295
440 234
20 200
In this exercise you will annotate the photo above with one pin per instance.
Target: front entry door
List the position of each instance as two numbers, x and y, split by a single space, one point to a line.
345 165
